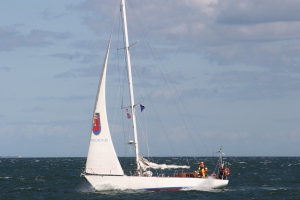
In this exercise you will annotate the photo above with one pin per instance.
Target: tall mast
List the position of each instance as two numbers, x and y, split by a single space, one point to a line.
130 84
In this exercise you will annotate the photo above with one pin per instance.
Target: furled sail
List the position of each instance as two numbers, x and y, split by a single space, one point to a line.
102 157
145 164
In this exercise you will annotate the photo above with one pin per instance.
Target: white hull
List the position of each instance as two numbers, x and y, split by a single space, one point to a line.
152 183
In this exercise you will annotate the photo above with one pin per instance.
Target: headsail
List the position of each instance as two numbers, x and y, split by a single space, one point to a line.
102 157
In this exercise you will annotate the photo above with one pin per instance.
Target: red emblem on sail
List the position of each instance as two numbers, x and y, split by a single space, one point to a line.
96 124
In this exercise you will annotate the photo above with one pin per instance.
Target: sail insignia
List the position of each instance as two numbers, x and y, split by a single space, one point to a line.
96 124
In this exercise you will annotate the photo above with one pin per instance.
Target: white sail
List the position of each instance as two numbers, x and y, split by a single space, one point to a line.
145 164
102 157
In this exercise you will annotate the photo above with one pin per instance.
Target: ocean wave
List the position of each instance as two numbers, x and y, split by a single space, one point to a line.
6 177
26 188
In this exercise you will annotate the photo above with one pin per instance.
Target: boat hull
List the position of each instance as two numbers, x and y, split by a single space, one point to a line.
152 183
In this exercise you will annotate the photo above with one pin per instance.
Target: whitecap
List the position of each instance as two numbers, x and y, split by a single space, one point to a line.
105 187
86 188
28 188
206 186
39 179
6 177
275 179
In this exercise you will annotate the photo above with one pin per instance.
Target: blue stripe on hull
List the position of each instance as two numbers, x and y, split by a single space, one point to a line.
163 189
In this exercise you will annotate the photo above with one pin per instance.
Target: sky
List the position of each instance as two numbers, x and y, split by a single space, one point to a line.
227 72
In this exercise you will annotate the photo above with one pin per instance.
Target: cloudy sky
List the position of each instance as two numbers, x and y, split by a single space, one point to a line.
226 72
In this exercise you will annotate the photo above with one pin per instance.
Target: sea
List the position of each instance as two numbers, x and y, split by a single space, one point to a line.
59 178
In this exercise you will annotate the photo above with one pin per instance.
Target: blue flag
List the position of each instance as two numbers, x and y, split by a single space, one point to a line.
142 107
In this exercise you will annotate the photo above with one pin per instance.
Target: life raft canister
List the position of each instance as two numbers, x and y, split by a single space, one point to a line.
227 172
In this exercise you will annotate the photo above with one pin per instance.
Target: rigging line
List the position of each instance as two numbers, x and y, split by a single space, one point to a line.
122 91
159 120
128 135
124 68
119 94
178 108
139 83
162 126
124 79
177 94
157 114
145 122
144 89
232 163
132 28
141 88
123 75
165 81
158 117
146 138
148 41
109 42
96 99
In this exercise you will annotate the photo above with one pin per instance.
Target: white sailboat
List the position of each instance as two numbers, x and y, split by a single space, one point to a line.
103 170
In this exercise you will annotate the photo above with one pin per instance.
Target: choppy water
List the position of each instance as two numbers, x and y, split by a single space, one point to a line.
59 178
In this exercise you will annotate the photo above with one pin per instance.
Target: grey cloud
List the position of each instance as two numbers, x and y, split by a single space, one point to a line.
50 34
90 45
65 75
153 73
254 12
37 109
66 55
97 15
93 70
278 57
242 86
48 14
245 33
251 85
11 39
7 69
199 93
97 7
83 58
250 77
68 98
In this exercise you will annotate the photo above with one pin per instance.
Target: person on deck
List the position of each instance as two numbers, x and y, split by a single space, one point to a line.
201 170
206 171
221 173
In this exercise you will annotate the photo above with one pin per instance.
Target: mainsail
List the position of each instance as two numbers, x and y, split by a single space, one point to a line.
102 157
145 164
